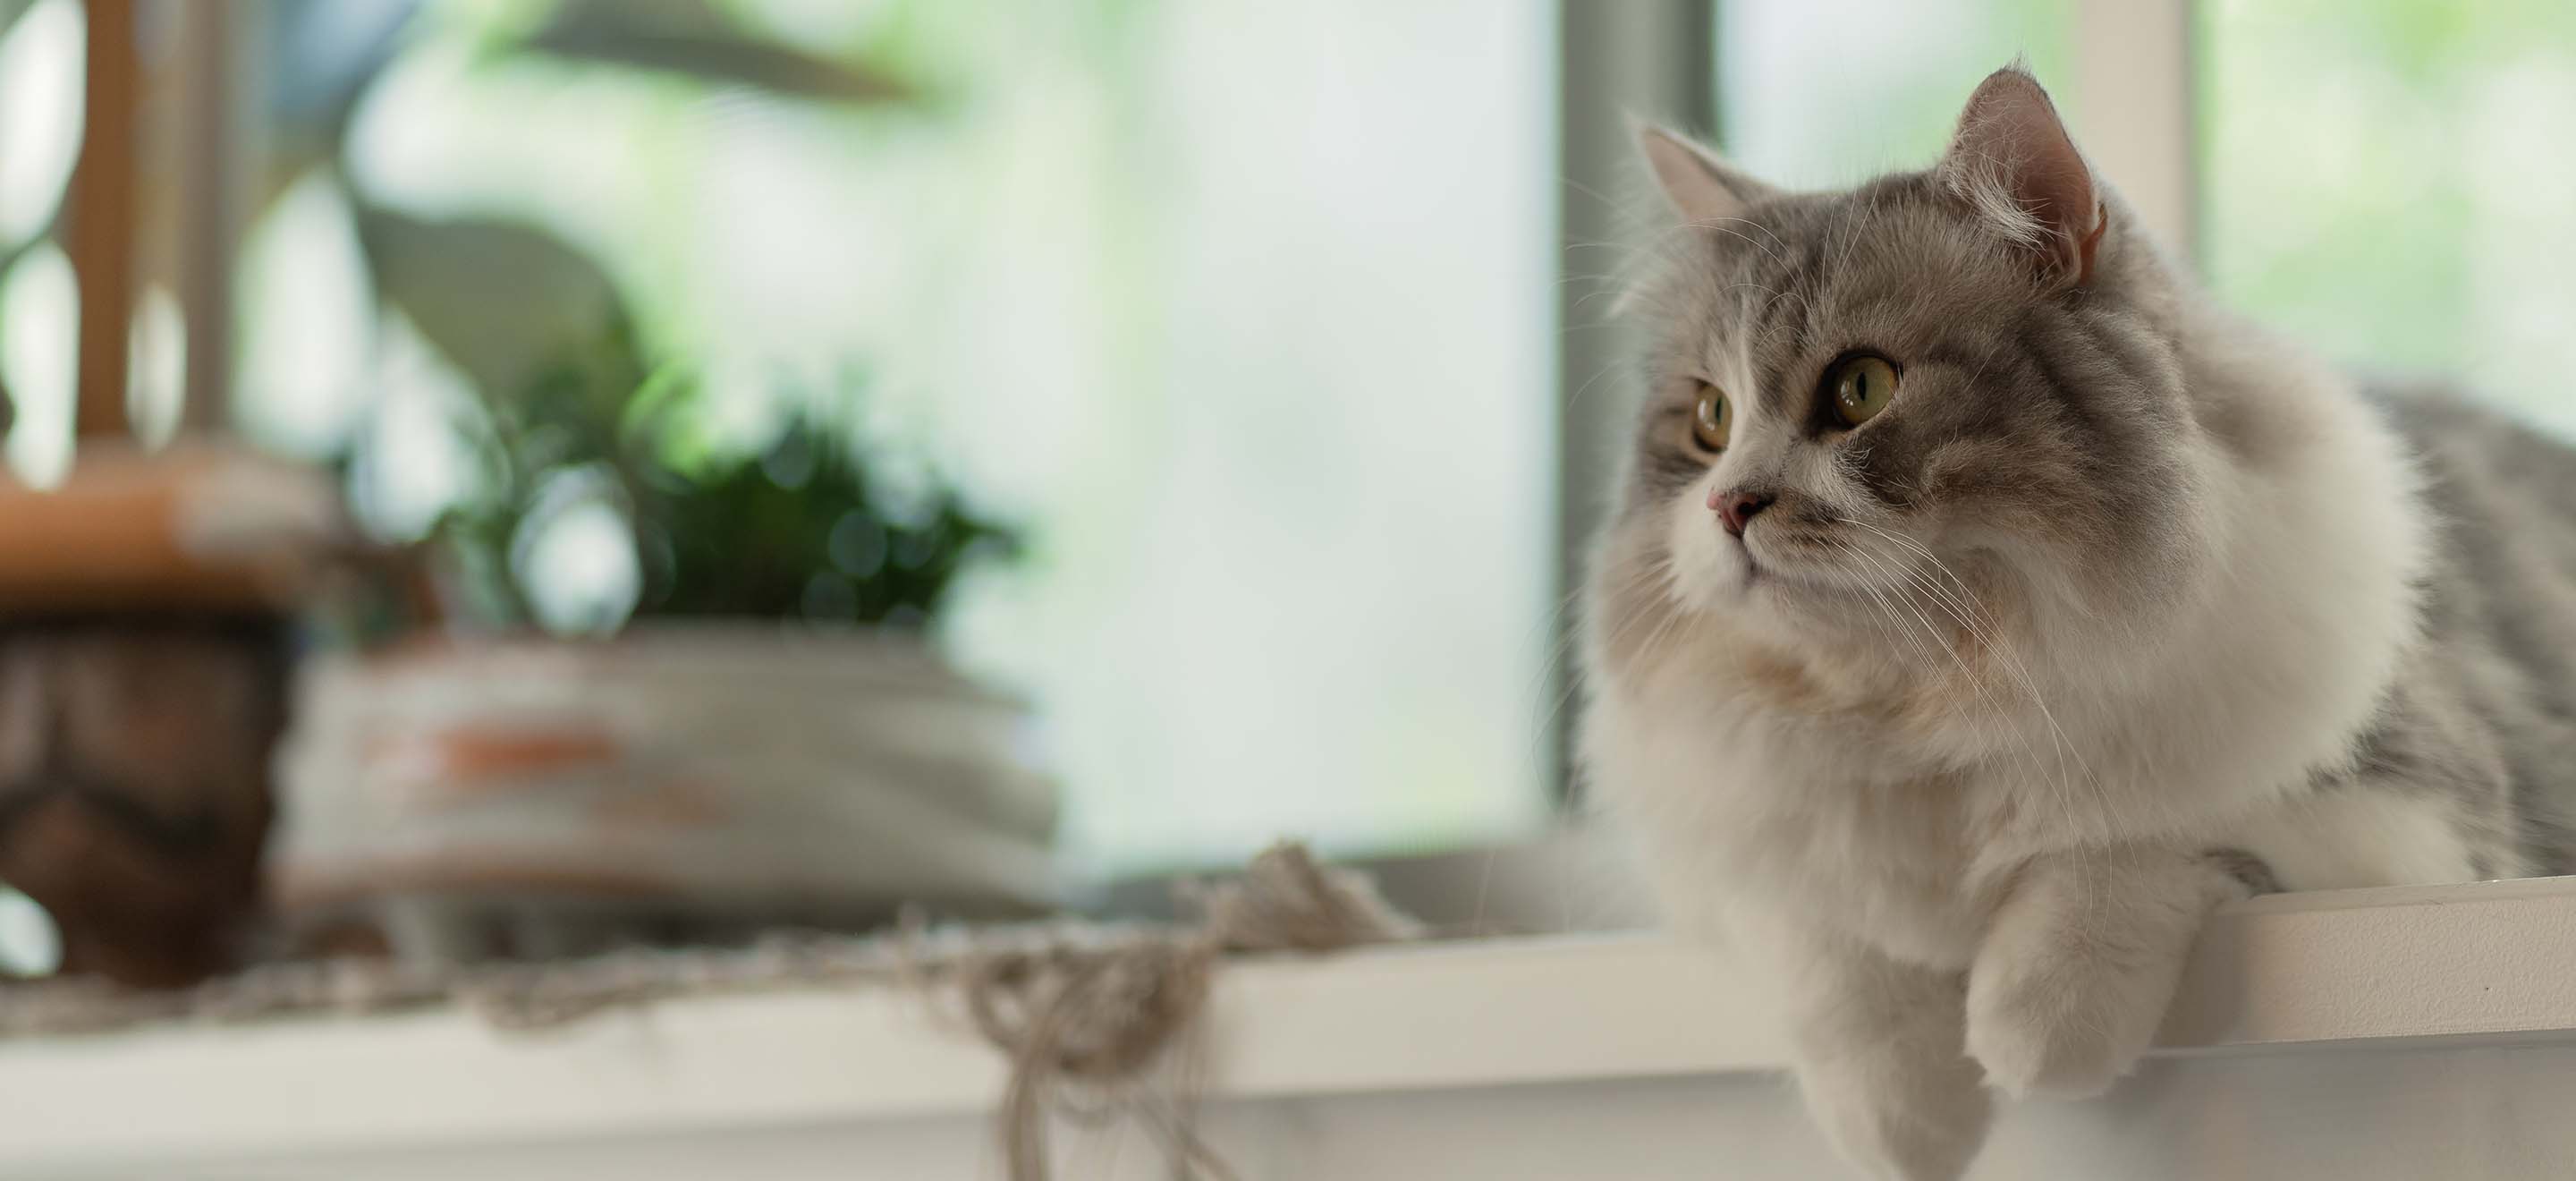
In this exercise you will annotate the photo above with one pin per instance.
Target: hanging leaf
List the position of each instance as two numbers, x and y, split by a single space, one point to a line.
506 304
687 37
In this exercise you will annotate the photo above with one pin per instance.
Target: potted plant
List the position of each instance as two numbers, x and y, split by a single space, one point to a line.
763 736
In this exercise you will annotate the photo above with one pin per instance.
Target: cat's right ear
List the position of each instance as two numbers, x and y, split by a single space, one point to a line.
1698 185
2012 160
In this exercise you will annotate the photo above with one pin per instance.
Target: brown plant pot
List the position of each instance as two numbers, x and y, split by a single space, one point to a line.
134 785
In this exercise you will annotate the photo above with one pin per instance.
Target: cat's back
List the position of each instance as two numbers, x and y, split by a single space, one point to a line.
2500 600
2503 494
2472 453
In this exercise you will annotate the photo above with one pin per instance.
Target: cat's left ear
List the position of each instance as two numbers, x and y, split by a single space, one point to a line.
1699 186
2015 164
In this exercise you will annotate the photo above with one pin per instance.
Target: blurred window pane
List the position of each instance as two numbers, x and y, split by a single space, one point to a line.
1300 551
2389 180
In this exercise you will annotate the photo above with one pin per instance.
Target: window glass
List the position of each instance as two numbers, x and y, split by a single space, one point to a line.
1829 92
2388 180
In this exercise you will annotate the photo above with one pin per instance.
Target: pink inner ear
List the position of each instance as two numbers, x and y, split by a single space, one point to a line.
2010 134
2084 251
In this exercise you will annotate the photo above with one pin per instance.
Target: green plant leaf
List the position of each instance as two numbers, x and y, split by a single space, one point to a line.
801 532
688 38
505 303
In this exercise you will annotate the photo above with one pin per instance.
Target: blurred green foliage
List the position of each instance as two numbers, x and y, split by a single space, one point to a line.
814 527
573 404
802 532
2381 180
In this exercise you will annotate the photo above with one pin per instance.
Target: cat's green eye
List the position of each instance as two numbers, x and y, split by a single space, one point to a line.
1862 386
1712 419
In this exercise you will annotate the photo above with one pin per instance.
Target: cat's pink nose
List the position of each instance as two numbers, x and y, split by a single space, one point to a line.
1737 507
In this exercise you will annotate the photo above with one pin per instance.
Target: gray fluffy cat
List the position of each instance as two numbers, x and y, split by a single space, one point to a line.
1982 608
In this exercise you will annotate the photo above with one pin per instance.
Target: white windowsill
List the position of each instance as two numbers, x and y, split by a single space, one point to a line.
2489 961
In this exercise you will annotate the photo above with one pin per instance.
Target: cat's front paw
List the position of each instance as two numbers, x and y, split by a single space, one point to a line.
2055 1028
2079 963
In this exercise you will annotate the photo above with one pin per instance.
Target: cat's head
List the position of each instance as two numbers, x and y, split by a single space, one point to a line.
1942 394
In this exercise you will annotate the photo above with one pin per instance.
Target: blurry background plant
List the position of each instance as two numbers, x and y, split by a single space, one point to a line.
595 481
577 473
538 394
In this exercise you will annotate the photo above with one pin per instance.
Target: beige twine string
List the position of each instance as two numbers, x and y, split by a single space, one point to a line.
1104 1031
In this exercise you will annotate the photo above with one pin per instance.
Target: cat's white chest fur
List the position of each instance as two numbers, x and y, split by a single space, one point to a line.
1742 812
